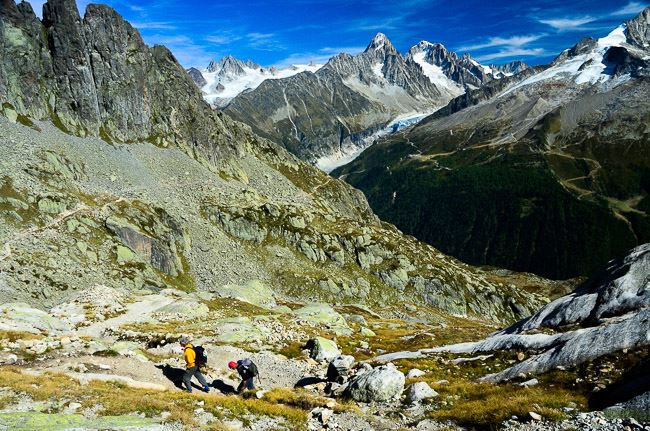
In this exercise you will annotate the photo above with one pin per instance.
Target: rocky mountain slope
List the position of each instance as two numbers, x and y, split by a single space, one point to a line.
546 171
334 111
606 316
146 196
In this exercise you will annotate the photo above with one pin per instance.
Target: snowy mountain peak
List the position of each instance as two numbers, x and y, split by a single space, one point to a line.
230 65
380 43
224 79
613 59
422 46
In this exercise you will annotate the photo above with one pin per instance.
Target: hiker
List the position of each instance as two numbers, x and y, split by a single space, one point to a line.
247 371
192 366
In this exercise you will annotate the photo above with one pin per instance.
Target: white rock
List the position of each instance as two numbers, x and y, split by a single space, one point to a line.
379 384
420 391
528 383
535 416
9 359
413 373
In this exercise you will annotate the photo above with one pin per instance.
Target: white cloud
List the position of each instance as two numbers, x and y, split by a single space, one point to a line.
222 39
512 41
264 41
568 24
513 52
632 8
153 25
319 57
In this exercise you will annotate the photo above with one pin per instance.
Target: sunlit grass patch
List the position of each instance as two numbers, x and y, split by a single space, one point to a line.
14 336
485 405
117 399
306 401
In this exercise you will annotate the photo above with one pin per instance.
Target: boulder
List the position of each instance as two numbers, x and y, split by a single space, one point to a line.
18 316
322 349
338 369
8 358
414 373
129 349
419 392
240 330
253 292
380 384
325 315
186 308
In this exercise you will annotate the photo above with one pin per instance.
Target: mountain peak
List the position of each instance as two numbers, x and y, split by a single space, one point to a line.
426 46
380 43
638 29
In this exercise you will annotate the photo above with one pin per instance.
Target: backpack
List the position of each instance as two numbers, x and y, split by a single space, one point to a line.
249 367
201 357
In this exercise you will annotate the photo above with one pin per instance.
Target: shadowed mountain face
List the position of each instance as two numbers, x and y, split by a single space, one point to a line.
547 171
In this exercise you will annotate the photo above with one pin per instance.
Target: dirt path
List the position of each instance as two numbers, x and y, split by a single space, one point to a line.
139 311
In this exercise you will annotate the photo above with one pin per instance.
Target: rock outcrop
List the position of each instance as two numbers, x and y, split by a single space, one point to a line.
381 384
609 313
197 76
95 76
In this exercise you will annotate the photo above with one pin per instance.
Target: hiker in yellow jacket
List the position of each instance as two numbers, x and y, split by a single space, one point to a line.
192 368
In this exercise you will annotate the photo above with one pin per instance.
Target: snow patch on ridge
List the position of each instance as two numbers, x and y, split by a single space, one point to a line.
437 76
376 69
584 68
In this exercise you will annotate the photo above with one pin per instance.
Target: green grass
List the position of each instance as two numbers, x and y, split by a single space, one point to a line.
117 399
485 406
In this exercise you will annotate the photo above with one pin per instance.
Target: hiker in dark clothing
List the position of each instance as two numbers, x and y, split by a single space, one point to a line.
247 370
192 367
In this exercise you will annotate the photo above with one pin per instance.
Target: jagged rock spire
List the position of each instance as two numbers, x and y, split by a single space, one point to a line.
638 29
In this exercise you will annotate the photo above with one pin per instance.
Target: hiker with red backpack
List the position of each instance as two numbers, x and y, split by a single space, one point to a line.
247 370
195 358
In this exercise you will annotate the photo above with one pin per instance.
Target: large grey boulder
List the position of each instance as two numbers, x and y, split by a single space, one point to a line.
21 317
322 349
380 384
338 369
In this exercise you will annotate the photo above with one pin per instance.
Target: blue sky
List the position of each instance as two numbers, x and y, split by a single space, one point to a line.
297 31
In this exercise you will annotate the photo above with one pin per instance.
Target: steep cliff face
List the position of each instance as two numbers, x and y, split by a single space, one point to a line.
96 77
